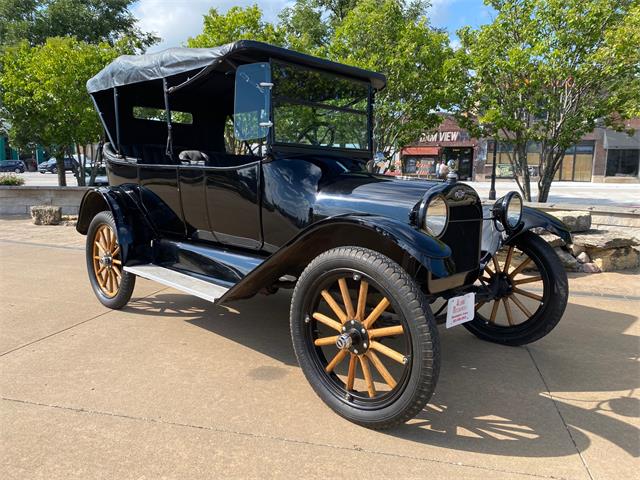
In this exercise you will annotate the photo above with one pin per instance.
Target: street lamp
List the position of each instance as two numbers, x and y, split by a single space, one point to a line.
492 190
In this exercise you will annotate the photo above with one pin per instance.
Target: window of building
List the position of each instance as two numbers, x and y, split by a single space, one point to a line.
623 162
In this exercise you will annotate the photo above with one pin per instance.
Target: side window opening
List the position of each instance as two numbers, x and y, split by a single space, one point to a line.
159 115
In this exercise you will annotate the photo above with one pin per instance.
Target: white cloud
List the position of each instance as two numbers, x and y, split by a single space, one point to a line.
175 21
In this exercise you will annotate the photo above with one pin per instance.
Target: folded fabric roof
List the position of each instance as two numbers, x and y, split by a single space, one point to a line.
128 69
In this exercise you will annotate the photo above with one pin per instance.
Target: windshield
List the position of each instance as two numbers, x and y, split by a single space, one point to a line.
316 108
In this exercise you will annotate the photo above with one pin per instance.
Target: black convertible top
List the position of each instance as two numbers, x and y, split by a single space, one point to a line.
128 69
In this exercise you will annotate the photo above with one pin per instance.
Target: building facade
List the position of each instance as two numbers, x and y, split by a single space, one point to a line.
603 155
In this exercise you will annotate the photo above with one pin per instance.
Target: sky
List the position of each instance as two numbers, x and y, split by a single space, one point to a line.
177 20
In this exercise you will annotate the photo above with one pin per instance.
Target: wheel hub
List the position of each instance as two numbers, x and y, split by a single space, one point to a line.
106 260
503 286
354 337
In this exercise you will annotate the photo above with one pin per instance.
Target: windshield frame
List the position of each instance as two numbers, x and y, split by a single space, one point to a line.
307 148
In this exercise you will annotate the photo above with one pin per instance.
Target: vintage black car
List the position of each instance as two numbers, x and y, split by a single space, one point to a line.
243 169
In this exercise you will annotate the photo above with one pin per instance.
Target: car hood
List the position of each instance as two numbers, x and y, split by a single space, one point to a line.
370 194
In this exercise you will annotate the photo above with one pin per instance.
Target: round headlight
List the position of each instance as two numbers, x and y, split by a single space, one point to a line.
508 211
436 216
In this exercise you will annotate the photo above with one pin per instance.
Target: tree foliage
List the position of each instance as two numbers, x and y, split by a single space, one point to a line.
548 71
45 96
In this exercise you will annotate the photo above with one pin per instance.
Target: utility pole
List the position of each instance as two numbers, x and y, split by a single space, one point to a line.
492 190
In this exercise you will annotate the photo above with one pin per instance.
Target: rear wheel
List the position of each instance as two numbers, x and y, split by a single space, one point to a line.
111 284
529 293
364 337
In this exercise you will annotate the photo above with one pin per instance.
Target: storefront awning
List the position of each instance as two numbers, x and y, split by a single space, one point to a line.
432 151
621 140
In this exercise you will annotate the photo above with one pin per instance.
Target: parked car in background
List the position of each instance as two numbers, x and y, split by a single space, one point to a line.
51 165
16 166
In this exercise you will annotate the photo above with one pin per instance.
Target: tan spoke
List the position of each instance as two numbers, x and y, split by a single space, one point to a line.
527 280
103 241
521 306
386 331
507 262
520 267
507 307
381 368
496 264
96 257
110 281
494 311
479 304
116 251
528 294
489 271
346 298
389 352
99 271
351 376
116 270
99 245
362 300
486 279
116 262
367 376
334 306
329 322
373 316
320 342
336 360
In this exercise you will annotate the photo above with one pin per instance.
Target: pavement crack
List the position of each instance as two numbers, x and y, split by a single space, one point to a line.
69 327
260 436
557 407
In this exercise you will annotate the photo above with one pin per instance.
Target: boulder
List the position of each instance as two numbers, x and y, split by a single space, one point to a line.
575 221
569 263
616 259
552 240
583 257
46 214
576 249
590 268
595 240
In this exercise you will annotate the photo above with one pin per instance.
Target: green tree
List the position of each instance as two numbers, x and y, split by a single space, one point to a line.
396 39
43 91
547 71
91 21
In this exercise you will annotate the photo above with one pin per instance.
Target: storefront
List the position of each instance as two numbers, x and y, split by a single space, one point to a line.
601 156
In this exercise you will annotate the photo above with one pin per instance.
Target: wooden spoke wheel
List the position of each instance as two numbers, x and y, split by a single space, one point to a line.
525 292
357 336
107 265
111 284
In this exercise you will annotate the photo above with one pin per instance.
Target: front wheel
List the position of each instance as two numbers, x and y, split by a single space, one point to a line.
364 337
528 292
111 284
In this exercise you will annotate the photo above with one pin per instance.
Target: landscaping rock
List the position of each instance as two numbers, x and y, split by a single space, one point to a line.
576 249
616 259
583 258
46 214
590 268
603 240
552 240
569 263
575 221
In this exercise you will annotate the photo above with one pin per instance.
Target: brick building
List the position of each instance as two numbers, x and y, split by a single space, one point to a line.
601 156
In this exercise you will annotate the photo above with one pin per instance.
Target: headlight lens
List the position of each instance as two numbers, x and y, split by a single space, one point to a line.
508 211
436 216
514 211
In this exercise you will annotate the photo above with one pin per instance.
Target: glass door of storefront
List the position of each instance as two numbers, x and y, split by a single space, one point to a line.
577 163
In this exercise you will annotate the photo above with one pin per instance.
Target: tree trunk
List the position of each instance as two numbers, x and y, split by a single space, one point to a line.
551 162
95 162
80 170
62 177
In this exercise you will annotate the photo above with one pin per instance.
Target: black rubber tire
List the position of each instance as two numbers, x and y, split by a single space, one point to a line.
548 315
406 299
54 170
128 281
18 170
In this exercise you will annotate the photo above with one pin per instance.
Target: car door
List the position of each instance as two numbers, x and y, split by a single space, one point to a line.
233 204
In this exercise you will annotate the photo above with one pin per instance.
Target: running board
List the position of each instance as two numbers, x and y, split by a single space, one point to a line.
179 281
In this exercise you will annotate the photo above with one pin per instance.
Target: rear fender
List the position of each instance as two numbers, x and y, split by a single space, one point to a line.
415 251
133 231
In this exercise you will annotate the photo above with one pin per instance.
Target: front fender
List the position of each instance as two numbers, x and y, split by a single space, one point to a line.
493 239
134 233
401 242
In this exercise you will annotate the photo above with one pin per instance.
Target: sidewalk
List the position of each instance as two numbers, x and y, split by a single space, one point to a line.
174 387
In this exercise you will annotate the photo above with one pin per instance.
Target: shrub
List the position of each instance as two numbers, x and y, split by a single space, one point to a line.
11 179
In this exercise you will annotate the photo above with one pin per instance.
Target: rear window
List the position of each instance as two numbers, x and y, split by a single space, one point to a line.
158 115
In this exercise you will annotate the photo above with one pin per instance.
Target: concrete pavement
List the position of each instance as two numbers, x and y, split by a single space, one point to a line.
174 387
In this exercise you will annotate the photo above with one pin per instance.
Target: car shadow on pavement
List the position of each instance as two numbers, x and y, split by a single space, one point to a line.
476 407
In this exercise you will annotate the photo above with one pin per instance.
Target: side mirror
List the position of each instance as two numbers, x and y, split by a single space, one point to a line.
252 104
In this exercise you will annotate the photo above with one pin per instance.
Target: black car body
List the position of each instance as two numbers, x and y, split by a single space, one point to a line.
16 166
185 211
51 165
